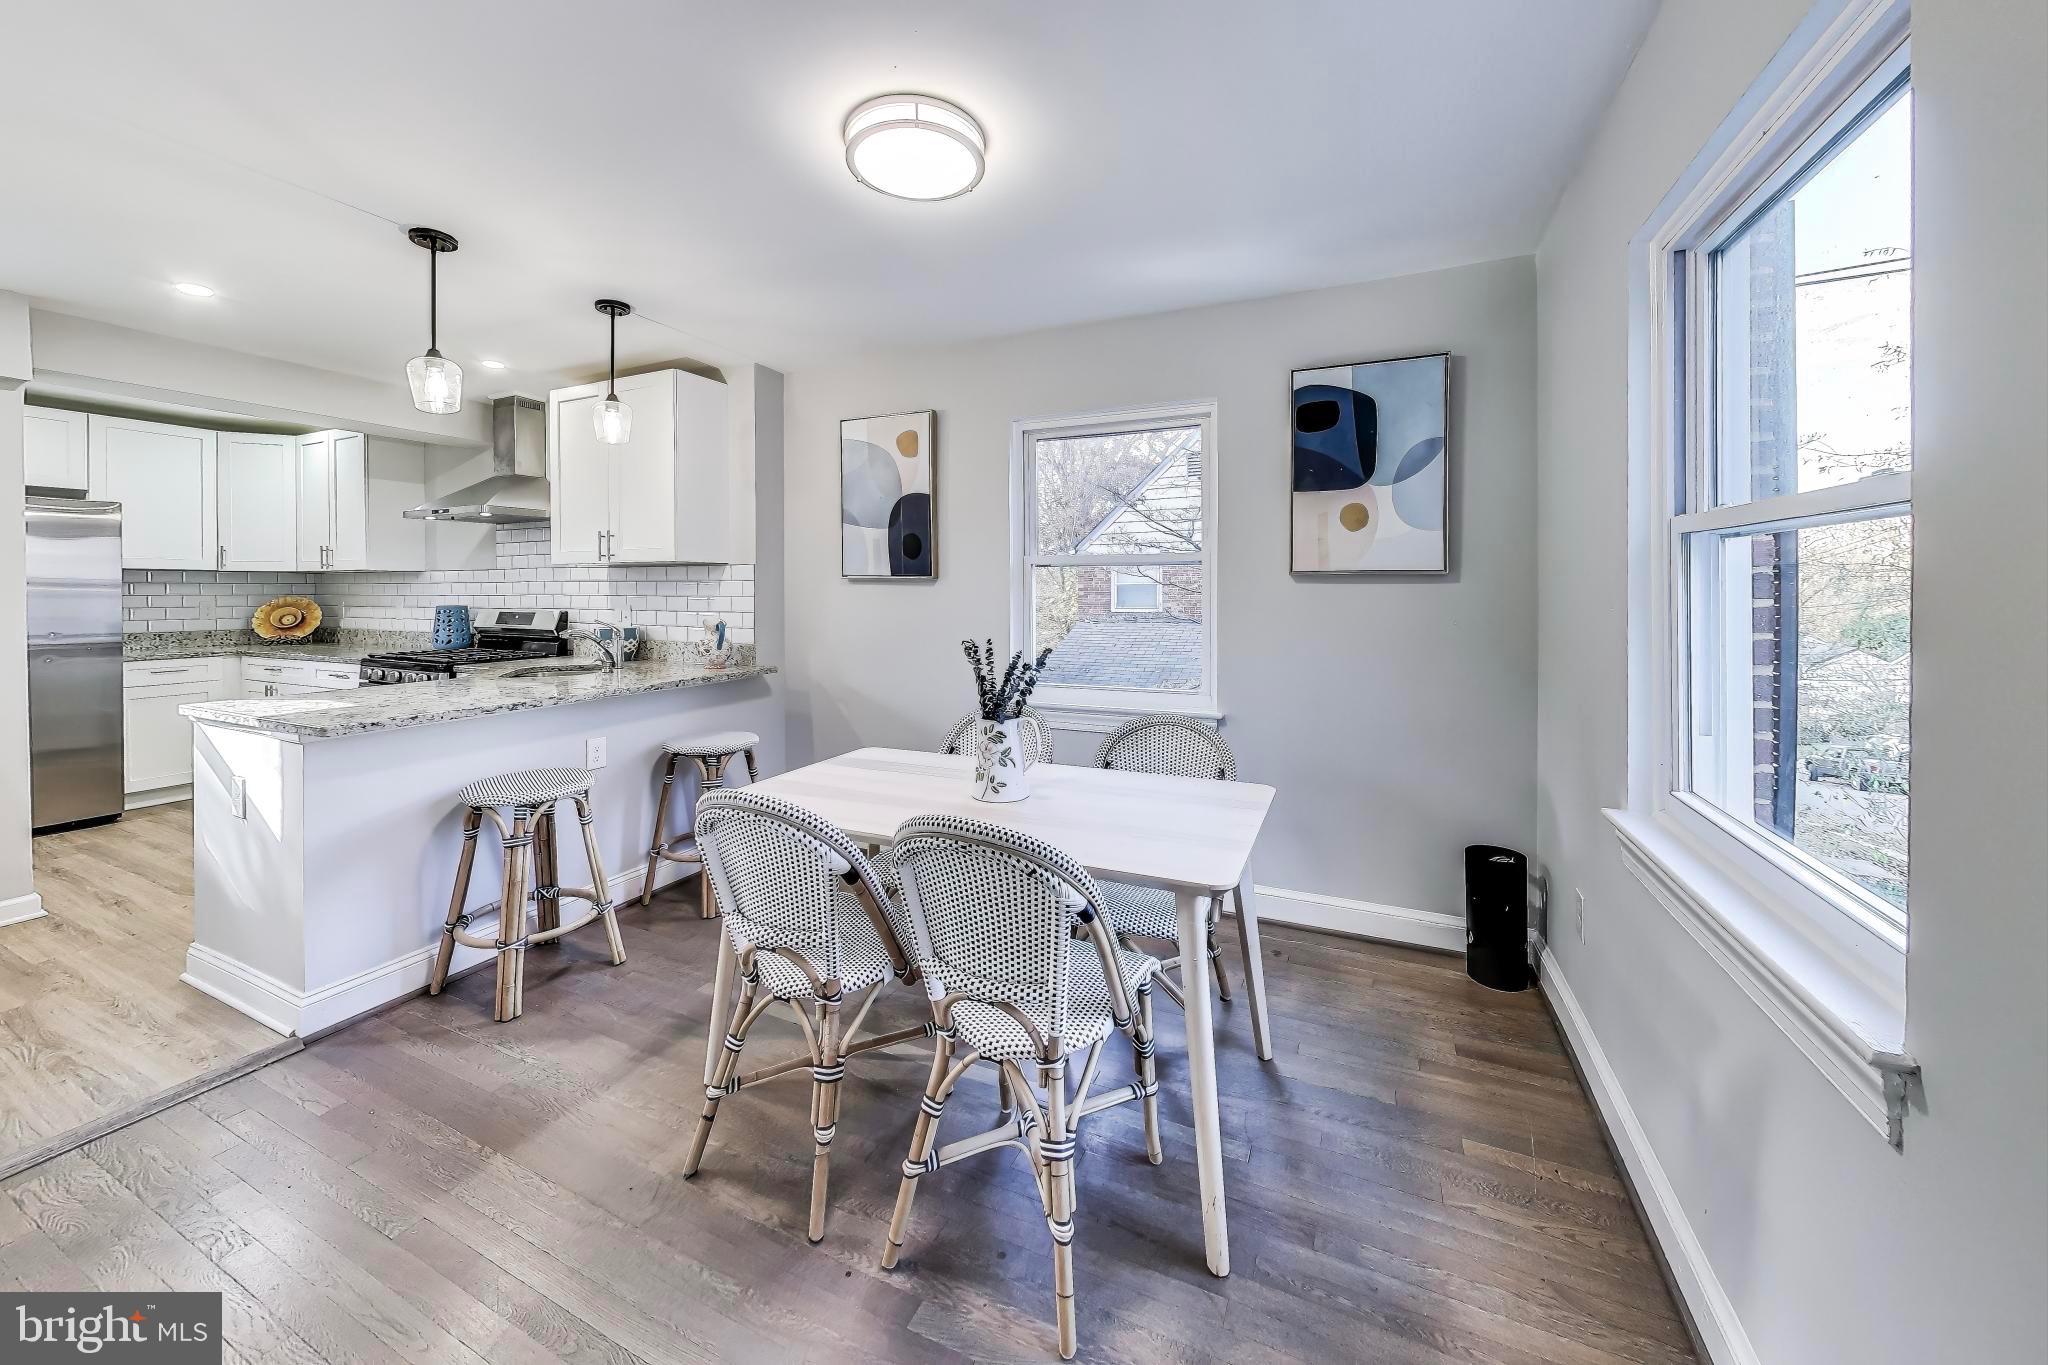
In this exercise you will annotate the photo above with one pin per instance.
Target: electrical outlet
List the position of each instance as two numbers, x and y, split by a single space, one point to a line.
1579 912
238 797
593 752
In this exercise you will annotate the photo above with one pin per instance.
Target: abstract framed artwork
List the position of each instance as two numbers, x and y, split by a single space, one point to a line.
1370 490
886 523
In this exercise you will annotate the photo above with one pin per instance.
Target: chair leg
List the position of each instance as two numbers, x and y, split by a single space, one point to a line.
512 919
1216 966
824 1112
922 1139
1005 1101
1148 1074
668 786
713 772
471 824
1058 1150
1254 974
753 769
600 886
722 1073
547 877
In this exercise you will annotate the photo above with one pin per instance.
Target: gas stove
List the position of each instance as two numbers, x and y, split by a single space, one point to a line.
502 636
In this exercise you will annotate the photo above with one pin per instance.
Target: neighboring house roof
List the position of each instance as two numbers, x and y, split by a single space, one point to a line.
1148 650
1168 497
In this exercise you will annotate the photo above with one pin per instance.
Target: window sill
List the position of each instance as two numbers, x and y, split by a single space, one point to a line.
1099 717
1848 1028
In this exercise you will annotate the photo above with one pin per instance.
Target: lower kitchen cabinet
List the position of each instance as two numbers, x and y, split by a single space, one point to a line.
157 747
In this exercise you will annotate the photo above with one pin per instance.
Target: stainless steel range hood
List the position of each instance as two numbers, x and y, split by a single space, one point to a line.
517 490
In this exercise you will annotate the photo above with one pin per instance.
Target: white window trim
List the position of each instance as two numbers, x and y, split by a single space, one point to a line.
1158 592
1086 708
1828 969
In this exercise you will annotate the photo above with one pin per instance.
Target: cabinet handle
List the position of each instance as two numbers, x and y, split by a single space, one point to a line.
220 556
600 546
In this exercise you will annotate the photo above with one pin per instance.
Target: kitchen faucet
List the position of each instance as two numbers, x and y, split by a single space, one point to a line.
611 648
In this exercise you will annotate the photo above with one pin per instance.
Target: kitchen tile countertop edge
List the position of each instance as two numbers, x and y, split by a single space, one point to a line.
480 691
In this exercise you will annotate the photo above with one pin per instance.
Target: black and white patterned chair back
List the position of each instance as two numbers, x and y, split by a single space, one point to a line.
1173 745
1037 736
992 912
777 870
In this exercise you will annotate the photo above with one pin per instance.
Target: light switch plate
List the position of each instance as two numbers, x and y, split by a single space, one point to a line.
238 797
593 752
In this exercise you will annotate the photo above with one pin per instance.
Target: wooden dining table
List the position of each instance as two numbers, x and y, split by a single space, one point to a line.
1186 835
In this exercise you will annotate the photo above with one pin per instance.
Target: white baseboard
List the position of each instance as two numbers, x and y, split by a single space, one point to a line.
161 796
1362 919
22 908
295 1013
1713 1314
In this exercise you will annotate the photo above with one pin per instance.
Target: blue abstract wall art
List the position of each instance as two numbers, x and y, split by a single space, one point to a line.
887 528
1370 489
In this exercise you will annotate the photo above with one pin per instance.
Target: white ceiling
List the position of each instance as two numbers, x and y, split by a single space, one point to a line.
1144 155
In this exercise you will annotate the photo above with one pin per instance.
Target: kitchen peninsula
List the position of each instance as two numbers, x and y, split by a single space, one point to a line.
327 827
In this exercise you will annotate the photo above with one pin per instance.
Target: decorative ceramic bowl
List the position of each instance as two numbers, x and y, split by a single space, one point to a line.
286 618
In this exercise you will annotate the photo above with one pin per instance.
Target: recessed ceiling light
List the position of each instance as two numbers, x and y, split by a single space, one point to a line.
914 147
191 290
492 364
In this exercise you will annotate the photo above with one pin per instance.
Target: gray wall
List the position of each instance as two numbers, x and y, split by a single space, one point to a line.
1393 715
1830 1245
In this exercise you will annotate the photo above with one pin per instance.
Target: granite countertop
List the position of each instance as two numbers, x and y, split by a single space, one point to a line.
350 648
481 691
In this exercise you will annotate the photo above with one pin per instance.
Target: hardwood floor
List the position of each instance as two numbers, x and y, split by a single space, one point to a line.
1417 1177
94 1022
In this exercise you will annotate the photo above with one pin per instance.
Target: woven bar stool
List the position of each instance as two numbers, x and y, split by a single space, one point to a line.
532 866
711 754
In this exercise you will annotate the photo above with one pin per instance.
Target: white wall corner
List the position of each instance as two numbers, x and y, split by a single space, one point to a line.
1712 1313
1362 919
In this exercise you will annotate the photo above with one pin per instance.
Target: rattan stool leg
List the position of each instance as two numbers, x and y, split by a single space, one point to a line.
512 918
547 877
660 839
471 824
713 771
600 886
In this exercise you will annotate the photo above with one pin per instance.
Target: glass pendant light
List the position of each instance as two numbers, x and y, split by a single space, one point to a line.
613 419
436 380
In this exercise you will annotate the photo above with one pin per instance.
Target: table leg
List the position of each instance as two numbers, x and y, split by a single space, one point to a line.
1194 968
721 999
1254 973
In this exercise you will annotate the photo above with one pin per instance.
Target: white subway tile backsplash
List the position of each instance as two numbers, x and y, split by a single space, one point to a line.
671 601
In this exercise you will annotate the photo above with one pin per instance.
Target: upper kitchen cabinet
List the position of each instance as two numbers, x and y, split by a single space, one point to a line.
352 493
678 491
165 478
258 502
53 449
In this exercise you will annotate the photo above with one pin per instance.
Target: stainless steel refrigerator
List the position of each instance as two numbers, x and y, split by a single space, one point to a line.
74 661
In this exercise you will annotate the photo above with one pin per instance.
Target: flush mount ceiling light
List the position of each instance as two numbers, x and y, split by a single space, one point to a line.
613 419
492 364
436 380
914 147
192 290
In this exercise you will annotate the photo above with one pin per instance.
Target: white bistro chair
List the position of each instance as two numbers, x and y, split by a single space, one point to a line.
1180 747
1021 972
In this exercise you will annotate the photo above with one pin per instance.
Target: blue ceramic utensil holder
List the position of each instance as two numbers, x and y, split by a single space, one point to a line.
451 628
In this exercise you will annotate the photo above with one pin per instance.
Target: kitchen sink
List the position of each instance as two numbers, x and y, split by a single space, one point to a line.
555 670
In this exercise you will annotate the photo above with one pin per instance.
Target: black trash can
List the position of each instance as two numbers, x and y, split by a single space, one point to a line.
1497 917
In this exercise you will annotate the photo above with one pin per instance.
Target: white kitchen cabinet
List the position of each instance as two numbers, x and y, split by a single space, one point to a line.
165 479
352 493
53 448
258 500
679 491
157 745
